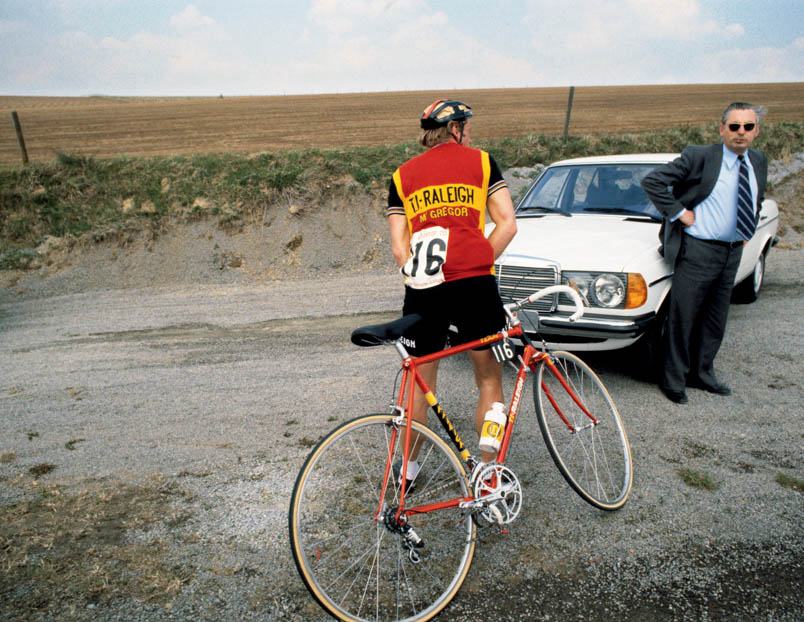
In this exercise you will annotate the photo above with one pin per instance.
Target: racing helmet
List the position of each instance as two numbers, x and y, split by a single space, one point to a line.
442 111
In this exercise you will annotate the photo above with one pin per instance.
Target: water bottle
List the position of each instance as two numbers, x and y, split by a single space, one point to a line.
493 428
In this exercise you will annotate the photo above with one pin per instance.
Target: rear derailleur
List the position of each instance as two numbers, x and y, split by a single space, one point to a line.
399 525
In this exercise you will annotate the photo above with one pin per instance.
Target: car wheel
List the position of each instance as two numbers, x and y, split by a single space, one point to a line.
649 350
748 289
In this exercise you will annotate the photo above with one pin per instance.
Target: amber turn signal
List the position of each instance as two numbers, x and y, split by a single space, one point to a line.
637 291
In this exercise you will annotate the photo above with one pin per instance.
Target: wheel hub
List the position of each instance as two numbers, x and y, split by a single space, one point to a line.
399 525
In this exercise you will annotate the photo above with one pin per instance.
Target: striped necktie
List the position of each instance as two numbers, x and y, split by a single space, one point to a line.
746 221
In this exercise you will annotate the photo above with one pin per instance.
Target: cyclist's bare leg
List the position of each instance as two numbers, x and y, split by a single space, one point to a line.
429 372
488 377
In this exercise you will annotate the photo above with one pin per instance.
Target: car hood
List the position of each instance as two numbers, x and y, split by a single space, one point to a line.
584 242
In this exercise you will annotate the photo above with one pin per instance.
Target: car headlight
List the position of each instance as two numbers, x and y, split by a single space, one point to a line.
607 290
610 290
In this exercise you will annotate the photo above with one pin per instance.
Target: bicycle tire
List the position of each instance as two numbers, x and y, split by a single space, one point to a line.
594 459
354 566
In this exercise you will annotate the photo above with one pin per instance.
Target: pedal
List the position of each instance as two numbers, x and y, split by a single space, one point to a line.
495 513
497 492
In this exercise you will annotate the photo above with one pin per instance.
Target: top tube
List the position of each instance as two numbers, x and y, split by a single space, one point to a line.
514 329
391 332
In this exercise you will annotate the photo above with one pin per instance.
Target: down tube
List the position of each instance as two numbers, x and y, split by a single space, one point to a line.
516 399
453 434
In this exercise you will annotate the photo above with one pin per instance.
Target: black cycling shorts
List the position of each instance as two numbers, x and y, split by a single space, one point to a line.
472 305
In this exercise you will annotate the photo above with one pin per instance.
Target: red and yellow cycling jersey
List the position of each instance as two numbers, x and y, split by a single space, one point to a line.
443 193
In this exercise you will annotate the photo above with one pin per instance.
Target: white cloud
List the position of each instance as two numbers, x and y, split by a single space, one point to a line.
345 16
676 19
735 29
762 64
190 19
192 58
600 42
7 26
407 44
368 45
596 24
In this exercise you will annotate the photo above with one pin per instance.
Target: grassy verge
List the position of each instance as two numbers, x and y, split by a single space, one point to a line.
697 479
63 554
75 196
790 482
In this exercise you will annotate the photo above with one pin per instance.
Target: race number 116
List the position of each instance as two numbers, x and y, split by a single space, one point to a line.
503 351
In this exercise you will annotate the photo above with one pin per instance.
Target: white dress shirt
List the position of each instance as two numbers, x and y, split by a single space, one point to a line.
716 215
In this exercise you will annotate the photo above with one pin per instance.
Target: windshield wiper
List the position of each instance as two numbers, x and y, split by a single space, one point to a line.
542 208
621 211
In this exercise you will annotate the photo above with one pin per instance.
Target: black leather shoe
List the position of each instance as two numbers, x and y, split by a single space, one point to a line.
679 397
717 388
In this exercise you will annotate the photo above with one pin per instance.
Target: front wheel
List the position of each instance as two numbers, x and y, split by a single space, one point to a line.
594 458
747 291
353 558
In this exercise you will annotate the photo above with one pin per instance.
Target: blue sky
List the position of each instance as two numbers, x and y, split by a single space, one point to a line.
265 47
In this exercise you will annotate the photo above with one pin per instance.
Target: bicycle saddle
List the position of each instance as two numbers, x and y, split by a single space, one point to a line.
378 334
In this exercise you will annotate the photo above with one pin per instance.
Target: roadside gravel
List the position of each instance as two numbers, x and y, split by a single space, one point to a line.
211 396
156 405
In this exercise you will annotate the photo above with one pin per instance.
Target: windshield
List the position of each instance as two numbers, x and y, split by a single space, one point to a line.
592 188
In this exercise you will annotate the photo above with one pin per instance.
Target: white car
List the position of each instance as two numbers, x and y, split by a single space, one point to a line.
588 221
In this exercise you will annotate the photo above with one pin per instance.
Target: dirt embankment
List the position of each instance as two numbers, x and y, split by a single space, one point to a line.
337 230
343 232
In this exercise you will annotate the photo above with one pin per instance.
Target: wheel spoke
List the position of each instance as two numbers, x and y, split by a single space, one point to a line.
594 458
361 568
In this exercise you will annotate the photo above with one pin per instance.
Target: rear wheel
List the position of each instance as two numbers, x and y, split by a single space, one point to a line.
748 289
594 458
359 565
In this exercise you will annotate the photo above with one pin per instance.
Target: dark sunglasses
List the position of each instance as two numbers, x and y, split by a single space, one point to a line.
736 126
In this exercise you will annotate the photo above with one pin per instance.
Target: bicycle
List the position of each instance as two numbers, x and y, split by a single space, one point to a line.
371 545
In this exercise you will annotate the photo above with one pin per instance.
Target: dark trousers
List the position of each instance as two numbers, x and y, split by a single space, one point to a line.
699 306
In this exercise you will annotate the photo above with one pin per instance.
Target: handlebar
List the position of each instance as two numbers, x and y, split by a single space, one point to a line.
513 307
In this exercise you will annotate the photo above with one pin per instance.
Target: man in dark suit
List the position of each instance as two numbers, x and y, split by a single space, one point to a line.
710 198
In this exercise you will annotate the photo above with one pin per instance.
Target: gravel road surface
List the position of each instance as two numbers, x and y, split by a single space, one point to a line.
213 395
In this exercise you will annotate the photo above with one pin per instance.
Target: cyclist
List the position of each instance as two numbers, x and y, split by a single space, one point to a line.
437 207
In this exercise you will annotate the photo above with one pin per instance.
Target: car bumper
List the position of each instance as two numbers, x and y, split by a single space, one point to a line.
591 332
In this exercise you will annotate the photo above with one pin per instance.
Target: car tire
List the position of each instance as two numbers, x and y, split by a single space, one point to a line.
747 290
649 350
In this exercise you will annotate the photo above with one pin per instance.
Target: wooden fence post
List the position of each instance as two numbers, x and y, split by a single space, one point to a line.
20 139
569 112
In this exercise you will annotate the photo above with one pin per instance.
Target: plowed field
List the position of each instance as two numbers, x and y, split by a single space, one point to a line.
106 127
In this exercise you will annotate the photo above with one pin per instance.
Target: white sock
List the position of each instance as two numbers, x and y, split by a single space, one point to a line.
413 469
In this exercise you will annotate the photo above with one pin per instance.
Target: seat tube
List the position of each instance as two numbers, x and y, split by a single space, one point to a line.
400 400
406 391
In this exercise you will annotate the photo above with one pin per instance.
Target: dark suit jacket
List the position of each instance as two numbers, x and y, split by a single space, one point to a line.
691 178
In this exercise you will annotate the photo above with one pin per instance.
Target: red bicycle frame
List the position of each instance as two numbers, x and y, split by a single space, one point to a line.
411 377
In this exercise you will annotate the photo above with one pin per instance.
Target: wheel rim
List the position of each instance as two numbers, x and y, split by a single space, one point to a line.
594 459
759 273
357 567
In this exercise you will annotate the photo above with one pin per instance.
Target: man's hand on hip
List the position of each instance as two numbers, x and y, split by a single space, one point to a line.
687 218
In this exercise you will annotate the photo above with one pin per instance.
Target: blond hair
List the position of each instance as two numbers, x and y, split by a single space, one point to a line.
443 134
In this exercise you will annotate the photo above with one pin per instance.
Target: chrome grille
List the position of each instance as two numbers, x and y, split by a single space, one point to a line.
516 283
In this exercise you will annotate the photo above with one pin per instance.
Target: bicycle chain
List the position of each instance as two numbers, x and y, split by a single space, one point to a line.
481 532
430 492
